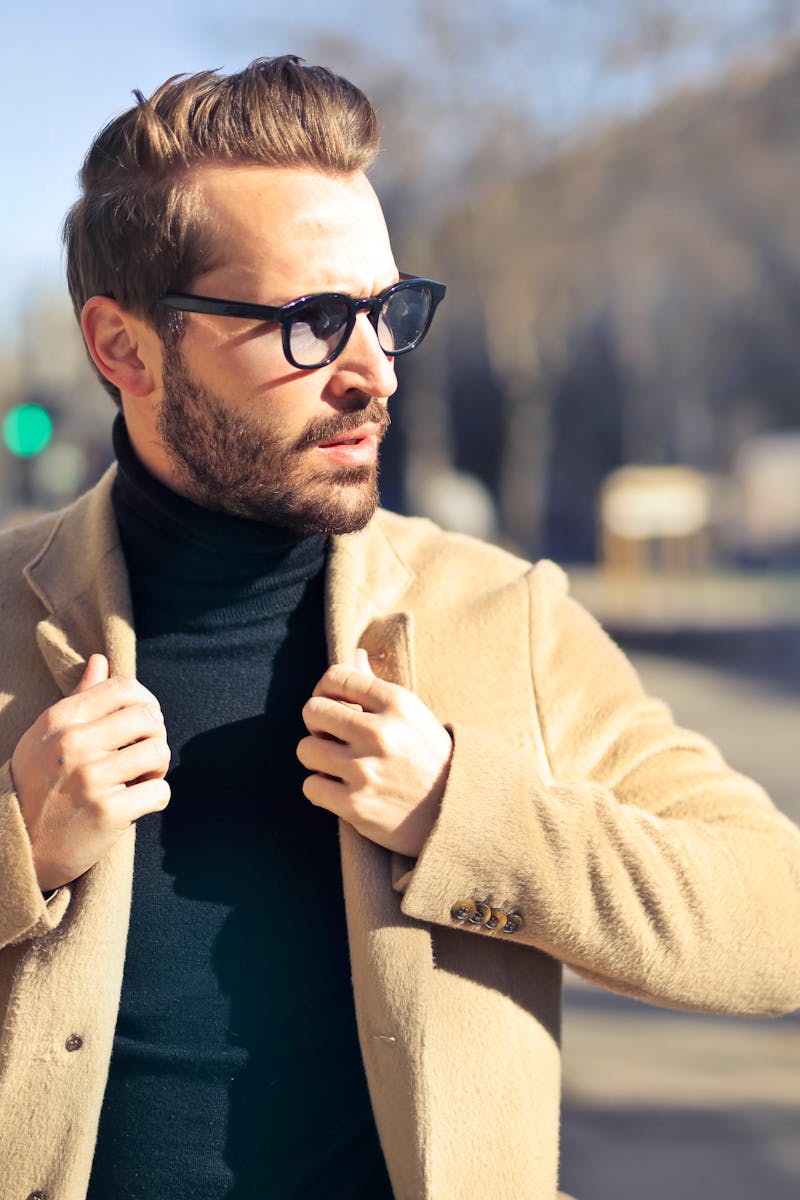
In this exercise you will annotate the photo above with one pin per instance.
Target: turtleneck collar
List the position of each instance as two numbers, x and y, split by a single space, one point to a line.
188 562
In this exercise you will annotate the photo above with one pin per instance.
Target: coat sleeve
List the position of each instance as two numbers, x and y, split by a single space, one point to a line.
24 913
643 861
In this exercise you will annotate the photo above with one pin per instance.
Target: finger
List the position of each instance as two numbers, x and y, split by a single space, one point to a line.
362 662
151 795
127 766
147 759
85 742
97 701
327 793
334 719
95 671
122 727
341 682
324 756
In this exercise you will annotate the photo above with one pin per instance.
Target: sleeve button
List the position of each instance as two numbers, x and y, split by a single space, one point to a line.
73 1042
497 918
37 1196
463 910
513 923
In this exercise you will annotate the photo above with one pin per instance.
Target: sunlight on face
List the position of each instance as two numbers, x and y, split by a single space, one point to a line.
241 429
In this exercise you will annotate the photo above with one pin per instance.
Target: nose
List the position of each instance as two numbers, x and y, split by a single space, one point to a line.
363 366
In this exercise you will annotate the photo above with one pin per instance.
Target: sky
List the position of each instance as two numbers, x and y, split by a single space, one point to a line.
69 68
66 71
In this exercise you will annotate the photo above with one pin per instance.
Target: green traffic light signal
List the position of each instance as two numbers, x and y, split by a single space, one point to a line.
27 429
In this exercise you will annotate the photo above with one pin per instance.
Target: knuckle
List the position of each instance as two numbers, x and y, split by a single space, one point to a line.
403 704
95 806
363 806
66 744
338 675
362 773
373 783
128 690
158 750
84 779
49 723
150 713
381 738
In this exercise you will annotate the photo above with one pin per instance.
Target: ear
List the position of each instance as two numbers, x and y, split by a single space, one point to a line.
123 347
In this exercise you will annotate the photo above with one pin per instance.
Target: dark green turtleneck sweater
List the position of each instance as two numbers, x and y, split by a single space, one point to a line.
236 1071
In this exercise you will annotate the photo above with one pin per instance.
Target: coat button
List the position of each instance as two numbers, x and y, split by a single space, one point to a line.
73 1042
462 910
513 923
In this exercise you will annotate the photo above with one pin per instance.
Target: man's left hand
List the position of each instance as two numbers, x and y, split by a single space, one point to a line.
379 757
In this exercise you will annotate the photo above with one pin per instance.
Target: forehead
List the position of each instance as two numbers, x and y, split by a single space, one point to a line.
286 230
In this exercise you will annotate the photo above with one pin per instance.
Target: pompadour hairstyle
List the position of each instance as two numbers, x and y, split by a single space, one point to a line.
137 230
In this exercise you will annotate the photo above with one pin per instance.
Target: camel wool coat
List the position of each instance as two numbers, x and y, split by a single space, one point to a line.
579 825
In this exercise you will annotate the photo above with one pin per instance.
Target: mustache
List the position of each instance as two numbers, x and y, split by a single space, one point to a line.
328 429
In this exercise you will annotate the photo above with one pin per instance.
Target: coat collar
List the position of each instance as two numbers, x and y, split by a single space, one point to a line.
366 581
79 575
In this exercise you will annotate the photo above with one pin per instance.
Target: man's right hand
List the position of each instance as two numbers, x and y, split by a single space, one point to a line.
91 765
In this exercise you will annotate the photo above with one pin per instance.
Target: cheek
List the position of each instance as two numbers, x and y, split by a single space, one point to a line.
245 361
251 374
285 407
258 371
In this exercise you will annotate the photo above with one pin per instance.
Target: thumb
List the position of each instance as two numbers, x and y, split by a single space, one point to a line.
362 662
95 671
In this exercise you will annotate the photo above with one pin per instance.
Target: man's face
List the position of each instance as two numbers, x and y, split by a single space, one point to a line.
241 430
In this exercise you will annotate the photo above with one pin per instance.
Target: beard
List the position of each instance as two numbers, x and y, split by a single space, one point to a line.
230 463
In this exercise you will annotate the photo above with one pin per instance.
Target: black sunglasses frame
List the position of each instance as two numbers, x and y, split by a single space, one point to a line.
285 314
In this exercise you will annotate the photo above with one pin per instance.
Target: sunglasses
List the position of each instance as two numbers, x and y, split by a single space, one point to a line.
315 329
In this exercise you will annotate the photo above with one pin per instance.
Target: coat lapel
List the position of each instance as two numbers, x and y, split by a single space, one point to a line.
390 954
79 575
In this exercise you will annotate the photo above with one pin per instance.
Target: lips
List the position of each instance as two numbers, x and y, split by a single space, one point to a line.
352 438
354 448
333 429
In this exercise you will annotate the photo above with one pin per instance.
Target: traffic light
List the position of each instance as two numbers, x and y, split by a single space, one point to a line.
27 430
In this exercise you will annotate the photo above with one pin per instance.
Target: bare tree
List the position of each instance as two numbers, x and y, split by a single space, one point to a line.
492 180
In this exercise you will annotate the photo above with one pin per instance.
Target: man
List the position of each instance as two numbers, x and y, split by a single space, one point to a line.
226 623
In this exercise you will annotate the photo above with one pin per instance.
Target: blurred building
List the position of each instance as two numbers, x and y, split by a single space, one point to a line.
655 519
630 299
767 476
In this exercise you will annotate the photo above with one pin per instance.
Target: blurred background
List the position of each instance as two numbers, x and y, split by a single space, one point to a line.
611 193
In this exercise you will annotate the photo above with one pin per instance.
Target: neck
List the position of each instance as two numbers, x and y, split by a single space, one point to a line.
186 562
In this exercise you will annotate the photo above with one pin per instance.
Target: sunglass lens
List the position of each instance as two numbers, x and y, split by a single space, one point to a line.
404 318
316 330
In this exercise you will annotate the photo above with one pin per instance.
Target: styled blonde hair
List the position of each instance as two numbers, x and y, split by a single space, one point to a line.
137 230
